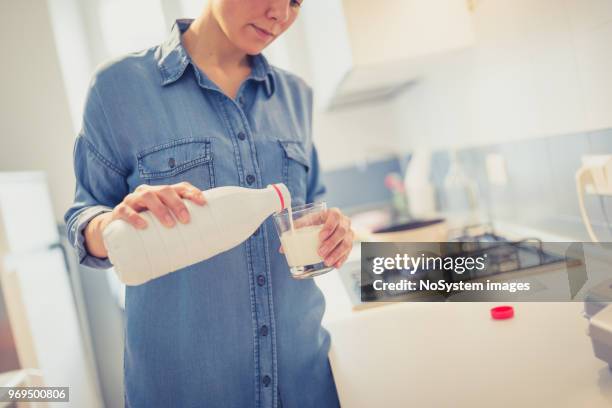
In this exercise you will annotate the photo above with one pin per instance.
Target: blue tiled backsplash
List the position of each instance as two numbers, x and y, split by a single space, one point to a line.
540 192
360 186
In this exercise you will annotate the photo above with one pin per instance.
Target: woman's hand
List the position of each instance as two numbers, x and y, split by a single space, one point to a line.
336 238
163 201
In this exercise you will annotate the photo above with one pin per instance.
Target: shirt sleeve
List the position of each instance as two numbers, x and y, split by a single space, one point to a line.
100 182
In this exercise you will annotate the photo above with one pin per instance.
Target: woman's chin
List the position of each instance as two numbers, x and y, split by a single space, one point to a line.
251 46
253 49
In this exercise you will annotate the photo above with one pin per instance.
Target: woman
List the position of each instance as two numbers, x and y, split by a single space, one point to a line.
204 109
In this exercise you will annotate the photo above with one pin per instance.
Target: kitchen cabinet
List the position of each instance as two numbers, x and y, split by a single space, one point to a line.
361 50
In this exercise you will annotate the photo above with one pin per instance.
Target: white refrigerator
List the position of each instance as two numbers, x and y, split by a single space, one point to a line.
39 293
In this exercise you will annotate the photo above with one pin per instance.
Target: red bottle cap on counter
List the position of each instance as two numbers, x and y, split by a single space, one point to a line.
502 312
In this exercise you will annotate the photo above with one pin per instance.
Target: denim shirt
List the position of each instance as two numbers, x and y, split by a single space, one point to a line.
235 330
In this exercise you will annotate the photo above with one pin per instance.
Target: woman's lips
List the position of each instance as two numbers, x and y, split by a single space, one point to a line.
261 33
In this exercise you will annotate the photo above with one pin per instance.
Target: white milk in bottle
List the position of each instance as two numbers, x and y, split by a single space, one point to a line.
231 214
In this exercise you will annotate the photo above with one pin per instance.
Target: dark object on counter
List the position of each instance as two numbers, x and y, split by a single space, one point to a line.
409 225
598 298
598 309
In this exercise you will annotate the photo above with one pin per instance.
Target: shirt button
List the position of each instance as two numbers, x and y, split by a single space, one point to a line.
171 162
250 179
241 136
261 280
266 380
264 330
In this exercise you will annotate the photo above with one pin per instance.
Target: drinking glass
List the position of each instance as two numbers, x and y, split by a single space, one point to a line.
298 229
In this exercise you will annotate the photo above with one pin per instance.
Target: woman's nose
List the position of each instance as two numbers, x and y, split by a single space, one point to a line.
278 10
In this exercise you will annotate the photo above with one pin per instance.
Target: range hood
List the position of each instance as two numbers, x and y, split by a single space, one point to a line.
362 51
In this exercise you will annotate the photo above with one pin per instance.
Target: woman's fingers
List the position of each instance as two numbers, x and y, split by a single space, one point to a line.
341 261
171 199
332 241
332 219
129 215
189 191
195 196
162 201
340 251
336 238
150 200
335 228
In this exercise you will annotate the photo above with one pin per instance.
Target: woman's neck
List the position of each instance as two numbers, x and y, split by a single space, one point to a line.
208 46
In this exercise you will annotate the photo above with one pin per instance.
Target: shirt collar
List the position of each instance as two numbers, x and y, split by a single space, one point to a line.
172 59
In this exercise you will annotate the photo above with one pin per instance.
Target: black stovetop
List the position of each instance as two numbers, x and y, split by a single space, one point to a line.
504 258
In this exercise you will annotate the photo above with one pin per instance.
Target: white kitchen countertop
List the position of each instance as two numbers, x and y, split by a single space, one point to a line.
454 355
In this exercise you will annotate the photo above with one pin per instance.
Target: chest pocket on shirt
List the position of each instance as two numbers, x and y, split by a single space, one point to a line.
296 166
179 160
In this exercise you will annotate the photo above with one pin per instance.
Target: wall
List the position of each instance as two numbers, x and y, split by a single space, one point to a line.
540 192
347 137
356 136
536 89
539 68
36 132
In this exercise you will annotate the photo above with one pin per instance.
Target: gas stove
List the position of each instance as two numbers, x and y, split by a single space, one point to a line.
504 255
507 260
